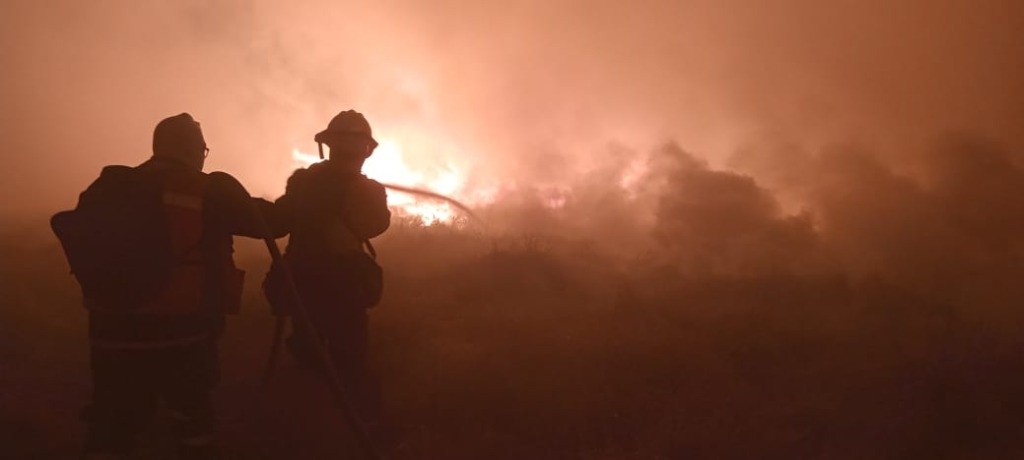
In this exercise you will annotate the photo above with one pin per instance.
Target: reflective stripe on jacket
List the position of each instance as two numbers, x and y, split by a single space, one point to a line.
183 310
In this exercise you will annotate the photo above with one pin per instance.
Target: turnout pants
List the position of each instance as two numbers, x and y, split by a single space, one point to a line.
342 325
345 336
129 384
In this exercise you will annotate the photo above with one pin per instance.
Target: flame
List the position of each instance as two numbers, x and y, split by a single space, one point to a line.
389 165
439 170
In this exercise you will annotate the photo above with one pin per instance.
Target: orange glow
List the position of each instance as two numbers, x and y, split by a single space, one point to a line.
389 165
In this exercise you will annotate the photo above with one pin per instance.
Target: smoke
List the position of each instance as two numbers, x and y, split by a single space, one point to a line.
716 137
777 219
722 137
949 227
508 84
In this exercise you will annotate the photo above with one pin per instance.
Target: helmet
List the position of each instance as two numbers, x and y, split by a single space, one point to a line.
347 123
177 135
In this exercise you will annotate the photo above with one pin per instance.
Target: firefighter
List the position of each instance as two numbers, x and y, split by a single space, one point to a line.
164 349
331 211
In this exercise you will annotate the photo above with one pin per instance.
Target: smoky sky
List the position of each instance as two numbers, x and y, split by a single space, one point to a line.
529 92
803 210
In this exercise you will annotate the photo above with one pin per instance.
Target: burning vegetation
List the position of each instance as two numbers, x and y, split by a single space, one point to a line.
699 229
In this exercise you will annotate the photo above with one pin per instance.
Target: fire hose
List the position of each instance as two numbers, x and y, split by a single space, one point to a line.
429 194
302 315
416 191
276 256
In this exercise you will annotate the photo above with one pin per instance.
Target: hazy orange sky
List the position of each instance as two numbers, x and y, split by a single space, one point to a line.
510 88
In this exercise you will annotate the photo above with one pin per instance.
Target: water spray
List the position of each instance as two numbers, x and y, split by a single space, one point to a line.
416 191
430 194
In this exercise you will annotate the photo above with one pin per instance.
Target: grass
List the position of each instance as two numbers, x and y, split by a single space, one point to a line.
533 346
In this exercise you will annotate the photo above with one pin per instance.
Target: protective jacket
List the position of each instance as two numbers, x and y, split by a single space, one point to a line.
331 211
330 214
202 213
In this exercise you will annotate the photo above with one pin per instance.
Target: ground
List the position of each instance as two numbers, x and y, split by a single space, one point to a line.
502 348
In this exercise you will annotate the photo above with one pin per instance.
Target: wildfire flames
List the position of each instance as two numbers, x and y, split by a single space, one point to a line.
389 165
442 171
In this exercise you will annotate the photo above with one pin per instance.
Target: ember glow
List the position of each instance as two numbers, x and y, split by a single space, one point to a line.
388 165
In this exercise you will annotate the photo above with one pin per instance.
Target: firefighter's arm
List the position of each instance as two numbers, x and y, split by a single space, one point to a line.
368 213
240 213
287 206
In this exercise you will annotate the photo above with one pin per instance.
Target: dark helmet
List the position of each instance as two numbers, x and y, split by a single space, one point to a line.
345 125
177 136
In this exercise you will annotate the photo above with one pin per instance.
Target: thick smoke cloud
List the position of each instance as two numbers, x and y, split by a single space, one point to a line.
753 211
728 137
949 227
725 223
508 85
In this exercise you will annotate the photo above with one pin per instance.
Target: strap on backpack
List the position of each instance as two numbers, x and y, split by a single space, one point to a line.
369 249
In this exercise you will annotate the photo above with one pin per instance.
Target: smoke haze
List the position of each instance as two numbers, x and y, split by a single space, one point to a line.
808 211
525 91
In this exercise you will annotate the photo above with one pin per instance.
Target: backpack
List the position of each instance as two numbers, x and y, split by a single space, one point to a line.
352 280
116 240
